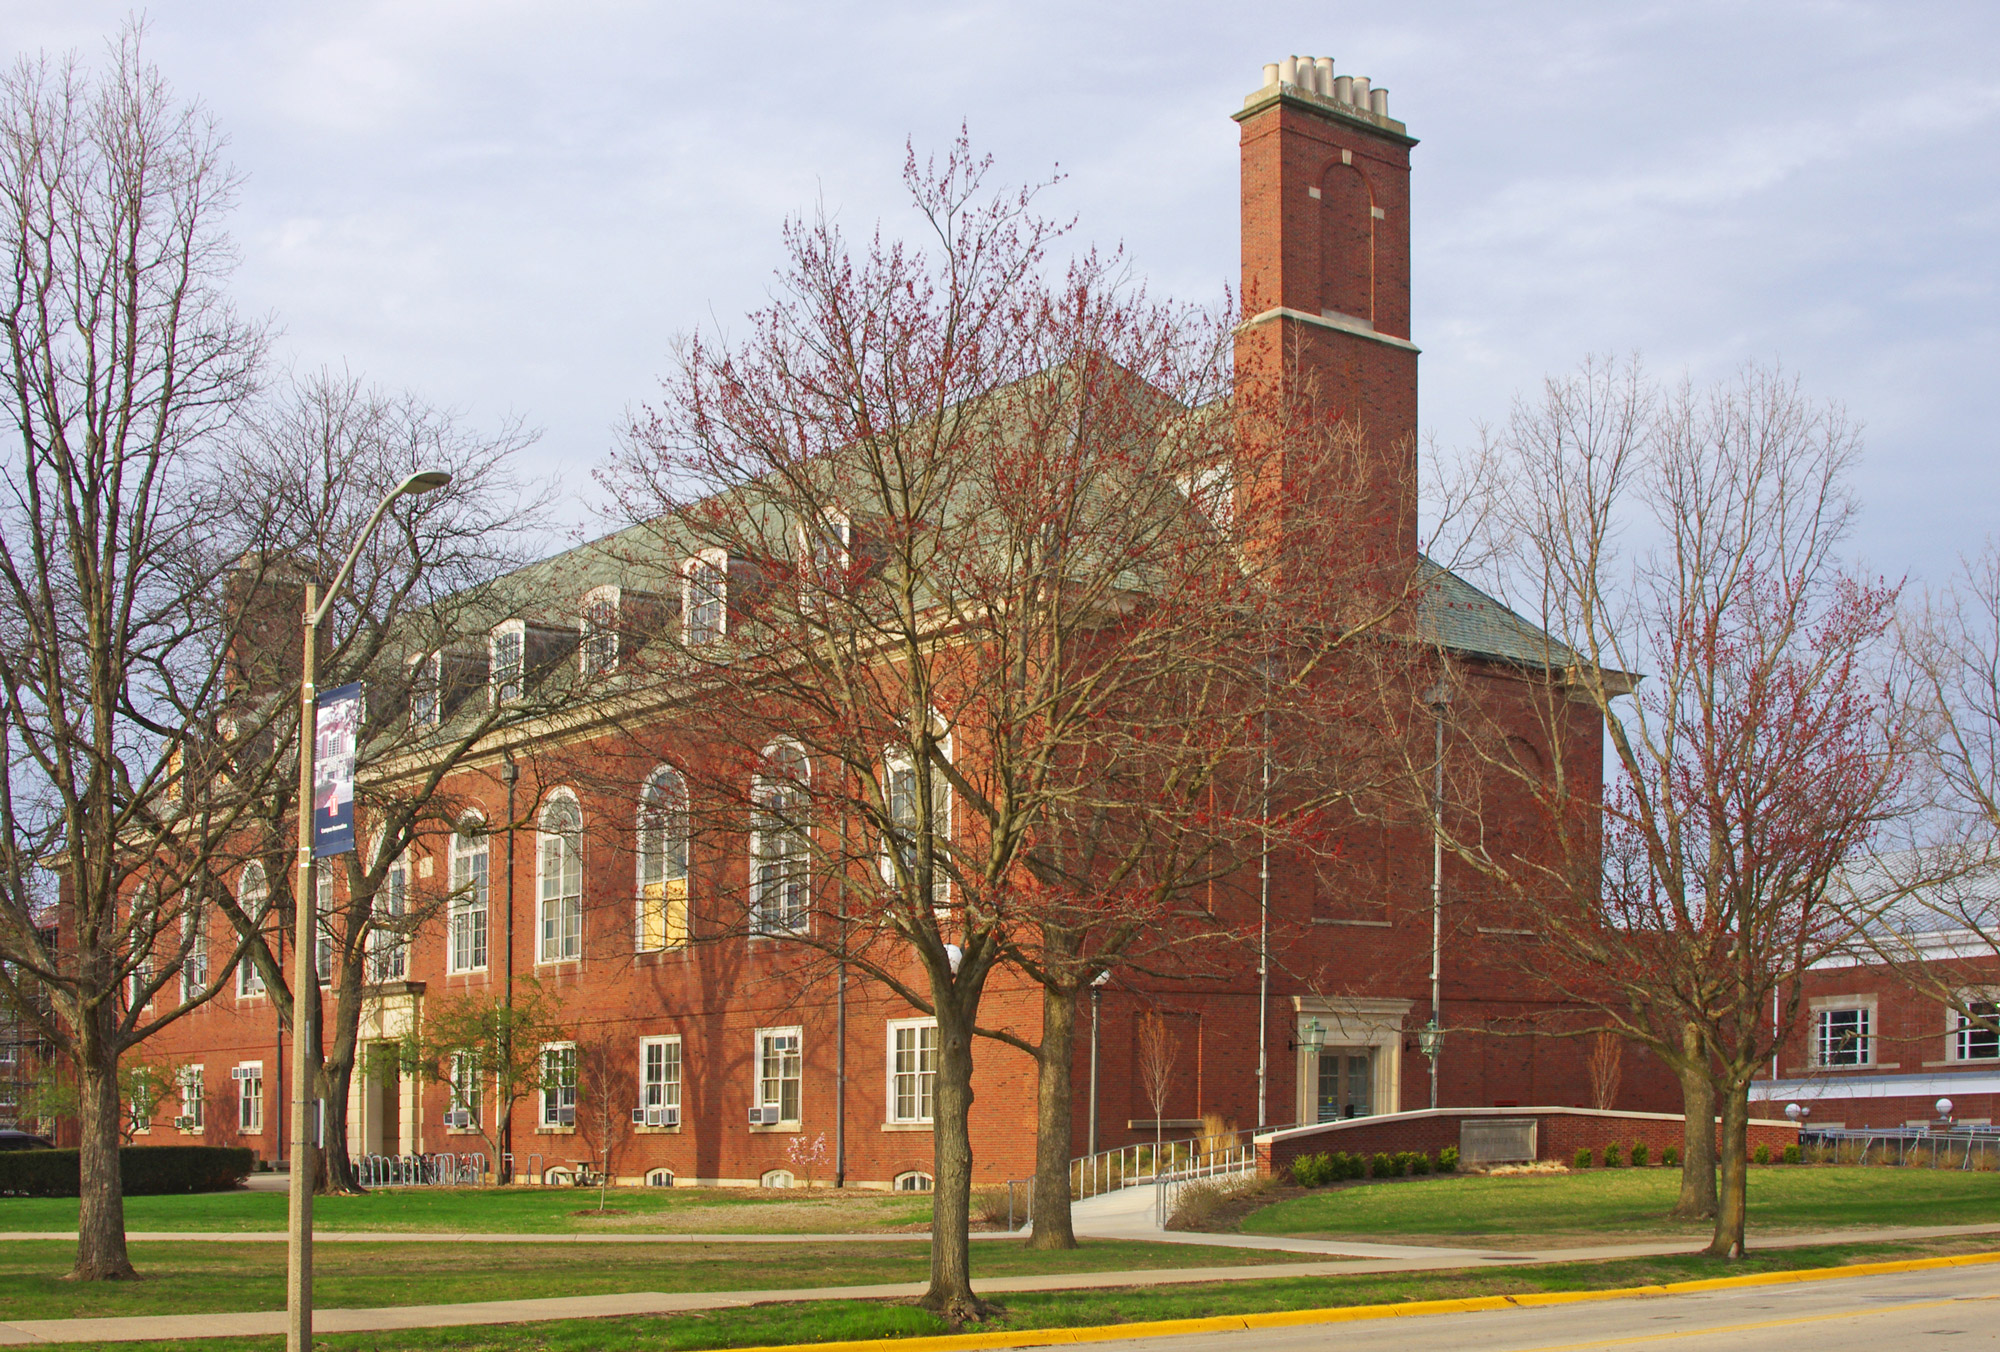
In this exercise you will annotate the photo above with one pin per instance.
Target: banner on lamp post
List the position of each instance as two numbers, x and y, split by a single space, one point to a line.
335 741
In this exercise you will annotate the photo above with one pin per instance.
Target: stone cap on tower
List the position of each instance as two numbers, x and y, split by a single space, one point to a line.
1309 82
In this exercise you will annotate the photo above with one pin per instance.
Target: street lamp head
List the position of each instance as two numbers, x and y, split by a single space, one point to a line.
1429 1038
1944 1108
1792 1110
423 481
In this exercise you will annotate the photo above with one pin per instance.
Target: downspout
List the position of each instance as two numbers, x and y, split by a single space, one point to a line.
510 775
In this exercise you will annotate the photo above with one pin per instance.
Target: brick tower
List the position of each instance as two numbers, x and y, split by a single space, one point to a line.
1326 272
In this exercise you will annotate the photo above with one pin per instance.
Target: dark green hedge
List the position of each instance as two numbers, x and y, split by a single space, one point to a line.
145 1169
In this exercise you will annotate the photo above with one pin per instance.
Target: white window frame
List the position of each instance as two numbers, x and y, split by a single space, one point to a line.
660 907
322 926
427 690
194 931
660 1076
558 1086
559 880
251 887
913 1180
464 1088
389 952
597 629
507 682
909 1081
193 1104
826 559
468 929
897 762
1862 1038
774 1061
250 1098
1964 1030
781 851
704 565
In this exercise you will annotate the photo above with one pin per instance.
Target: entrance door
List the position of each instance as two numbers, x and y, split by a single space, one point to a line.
385 1104
1346 1083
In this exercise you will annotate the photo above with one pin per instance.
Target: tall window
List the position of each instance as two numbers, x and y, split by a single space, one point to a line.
561 870
663 862
426 690
193 1115
388 950
778 1071
704 598
780 867
908 830
1976 1038
323 926
250 1097
1843 1037
912 1069
463 1080
254 897
468 897
509 660
597 653
660 1081
559 1084
194 967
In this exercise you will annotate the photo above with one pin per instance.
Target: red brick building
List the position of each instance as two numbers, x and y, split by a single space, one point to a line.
741 1052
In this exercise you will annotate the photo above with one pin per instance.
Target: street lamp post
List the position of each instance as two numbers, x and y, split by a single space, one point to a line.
305 927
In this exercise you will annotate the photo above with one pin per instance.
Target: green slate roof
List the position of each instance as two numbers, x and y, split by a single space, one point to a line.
1460 618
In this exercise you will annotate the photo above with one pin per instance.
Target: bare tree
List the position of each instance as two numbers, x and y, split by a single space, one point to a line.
125 777
606 1089
1159 1049
1690 537
1607 1068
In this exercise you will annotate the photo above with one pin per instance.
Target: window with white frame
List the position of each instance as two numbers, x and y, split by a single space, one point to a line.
249 1078
912 1069
468 917
462 1078
780 846
559 1084
704 598
914 1181
388 948
323 926
660 1081
663 862
137 981
254 897
193 1115
1976 1031
194 937
597 649
560 869
508 660
1843 1036
910 827
825 560
139 1108
426 690
779 1068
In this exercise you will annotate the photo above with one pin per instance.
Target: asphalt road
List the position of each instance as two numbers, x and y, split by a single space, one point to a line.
1947 1308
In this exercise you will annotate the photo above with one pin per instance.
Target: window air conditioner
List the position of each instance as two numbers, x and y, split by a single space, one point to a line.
566 1117
669 1117
458 1117
184 1123
764 1116
638 1117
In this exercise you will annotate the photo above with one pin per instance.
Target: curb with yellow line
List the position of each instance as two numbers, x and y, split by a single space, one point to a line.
1277 1319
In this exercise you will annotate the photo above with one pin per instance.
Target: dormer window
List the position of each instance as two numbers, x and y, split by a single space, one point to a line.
426 690
704 597
598 629
509 661
825 555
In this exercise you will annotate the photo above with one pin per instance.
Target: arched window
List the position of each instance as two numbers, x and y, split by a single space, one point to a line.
776 1178
468 916
254 896
663 861
560 868
914 1181
780 847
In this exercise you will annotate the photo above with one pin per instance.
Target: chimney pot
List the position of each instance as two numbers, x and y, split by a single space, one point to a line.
1323 76
1361 92
1270 74
1343 89
1378 102
1288 70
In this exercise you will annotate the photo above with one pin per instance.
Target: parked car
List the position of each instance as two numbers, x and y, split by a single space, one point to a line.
11 1139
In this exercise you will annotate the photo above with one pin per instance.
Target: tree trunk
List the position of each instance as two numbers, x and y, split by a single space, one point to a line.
100 1222
1735 1153
1054 1110
1697 1199
950 1295
337 1173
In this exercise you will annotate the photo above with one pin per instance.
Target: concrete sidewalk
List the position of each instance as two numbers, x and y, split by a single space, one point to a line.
1378 1258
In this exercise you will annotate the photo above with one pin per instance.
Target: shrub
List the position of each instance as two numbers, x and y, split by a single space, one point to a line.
1640 1155
1313 1171
1582 1160
1448 1160
1670 1157
144 1170
1613 1157
990 1206
1420 1163
1761 1155
1383 1166
1346 1166
1793 1155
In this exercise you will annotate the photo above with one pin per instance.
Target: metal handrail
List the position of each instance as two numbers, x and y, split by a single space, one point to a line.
1129 1166
1939 1142
1236 1160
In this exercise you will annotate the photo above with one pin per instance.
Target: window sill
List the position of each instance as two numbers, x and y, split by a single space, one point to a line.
909 1126
656 1131
576 961
1365 924
780 1129
546 1131
1969 1062
1843 1070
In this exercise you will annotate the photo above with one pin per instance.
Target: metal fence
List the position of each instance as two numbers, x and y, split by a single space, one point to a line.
1943 1147
1230 1162
422 1171
1131 1165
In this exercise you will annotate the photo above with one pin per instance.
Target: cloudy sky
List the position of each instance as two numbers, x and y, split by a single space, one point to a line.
513 205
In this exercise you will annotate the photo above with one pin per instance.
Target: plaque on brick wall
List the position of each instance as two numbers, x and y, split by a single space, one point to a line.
1496 1140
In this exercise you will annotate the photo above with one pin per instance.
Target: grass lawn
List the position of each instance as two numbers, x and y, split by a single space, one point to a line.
186 1278
1598 1204
737 1211
839 1320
